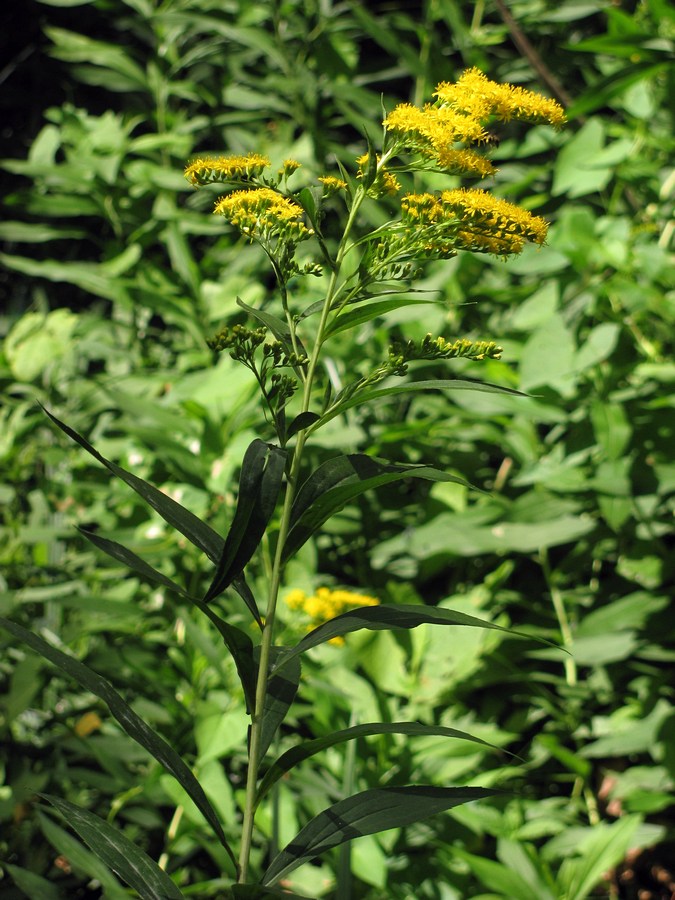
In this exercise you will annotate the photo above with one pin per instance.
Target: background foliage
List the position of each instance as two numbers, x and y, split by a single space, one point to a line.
114 274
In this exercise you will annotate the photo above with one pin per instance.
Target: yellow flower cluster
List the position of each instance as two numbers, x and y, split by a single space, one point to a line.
476 96
471 219
226 168
325 605
263 212
458 117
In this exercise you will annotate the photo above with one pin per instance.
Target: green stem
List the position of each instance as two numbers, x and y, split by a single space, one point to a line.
563 622
275 580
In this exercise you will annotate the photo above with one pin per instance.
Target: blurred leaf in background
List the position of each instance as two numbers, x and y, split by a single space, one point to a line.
112 276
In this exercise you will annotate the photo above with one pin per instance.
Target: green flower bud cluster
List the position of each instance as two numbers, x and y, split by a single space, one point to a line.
242 342
438 348
274 351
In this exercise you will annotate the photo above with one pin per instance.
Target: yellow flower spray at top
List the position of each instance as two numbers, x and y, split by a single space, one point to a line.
325 604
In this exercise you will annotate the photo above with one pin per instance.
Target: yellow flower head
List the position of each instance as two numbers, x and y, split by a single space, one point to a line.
226 168
437 130
476 96
289 166
331 184
490 224
326 604
263 212
469 219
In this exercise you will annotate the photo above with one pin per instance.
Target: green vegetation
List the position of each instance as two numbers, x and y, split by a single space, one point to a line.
116 275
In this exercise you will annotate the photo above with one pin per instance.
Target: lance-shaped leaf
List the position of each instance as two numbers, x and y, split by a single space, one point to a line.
197 532
33 885
381 618
277 326
237 641
341 479
291 758
281 690
365 313
126 859
367 813
130 721
262 472
367 395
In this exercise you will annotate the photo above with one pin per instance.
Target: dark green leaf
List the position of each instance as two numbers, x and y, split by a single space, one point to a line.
197 532
237 642
341 479
367 813
302 421
115 850
262 472
281 690
368 311
132 723
380 618
277 326
412 387
295 755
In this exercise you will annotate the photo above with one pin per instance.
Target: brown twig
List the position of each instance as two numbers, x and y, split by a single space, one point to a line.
537 63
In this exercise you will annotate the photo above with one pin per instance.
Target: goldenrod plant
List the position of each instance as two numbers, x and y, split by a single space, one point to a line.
281 501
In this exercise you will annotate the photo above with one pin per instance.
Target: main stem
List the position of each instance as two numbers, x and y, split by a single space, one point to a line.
275 580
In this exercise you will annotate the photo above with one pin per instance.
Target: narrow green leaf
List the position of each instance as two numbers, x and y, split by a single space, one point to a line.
502 880
381 618
281 690
126 859
262 472
130 559
367 813
34 886
197 532
412 387
132 723
371 171
83 860
606 847
302 421
291 758
277 326
237 642
366 312
308 203
341 479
